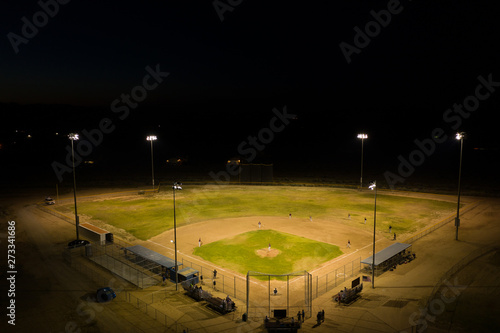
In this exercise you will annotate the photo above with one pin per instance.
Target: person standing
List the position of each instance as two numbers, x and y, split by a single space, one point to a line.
390 229
365 220
394 236
298 317
269 247
199 242
303 315
349 216
348 244
259 225
310 218
290 215
323 315
215 273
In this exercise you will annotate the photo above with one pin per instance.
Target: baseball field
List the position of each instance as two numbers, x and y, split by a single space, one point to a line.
301 227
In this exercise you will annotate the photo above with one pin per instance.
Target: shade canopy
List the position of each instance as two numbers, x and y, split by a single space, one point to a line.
386 253
153 256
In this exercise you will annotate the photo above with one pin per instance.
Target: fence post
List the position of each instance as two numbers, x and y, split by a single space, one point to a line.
317 284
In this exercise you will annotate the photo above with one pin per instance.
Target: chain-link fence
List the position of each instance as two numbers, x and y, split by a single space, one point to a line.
439 224
148 303
325 283
231 285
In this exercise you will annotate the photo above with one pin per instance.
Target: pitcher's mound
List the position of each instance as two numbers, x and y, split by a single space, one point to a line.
265 253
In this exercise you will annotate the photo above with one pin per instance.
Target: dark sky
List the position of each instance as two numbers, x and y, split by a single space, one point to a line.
226 76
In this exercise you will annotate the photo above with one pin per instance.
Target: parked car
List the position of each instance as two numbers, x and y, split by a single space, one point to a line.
77 243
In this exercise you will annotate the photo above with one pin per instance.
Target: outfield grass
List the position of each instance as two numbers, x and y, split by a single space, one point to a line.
296 253
145 217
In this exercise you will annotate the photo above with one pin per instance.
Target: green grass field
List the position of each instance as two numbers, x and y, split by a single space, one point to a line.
296 253
148 216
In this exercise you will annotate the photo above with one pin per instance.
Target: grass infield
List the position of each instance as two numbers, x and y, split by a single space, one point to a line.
249 251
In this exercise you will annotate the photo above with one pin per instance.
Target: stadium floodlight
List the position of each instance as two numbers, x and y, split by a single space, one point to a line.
176 186
152 138
362 136
74 137
459 136
373 187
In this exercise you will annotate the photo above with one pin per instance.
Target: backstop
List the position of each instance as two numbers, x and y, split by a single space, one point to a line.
285 294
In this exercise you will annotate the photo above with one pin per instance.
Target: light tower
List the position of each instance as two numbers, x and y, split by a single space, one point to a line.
152 138
362 136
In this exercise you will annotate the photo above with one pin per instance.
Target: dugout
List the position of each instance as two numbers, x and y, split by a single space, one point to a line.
188 274
151 260
95 234
388 257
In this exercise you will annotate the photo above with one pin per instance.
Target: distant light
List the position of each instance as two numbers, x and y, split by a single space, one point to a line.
177 186
362 136
73 136
151 138
57 133
460 135
373 185
29 136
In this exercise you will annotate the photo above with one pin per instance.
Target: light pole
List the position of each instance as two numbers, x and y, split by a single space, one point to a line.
177 186
362 137
460 136
152 138
373 186
73 137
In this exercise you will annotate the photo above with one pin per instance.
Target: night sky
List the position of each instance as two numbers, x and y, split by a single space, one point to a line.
387 68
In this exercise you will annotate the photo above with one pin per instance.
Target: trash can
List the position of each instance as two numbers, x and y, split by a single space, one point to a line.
244 317
105 295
